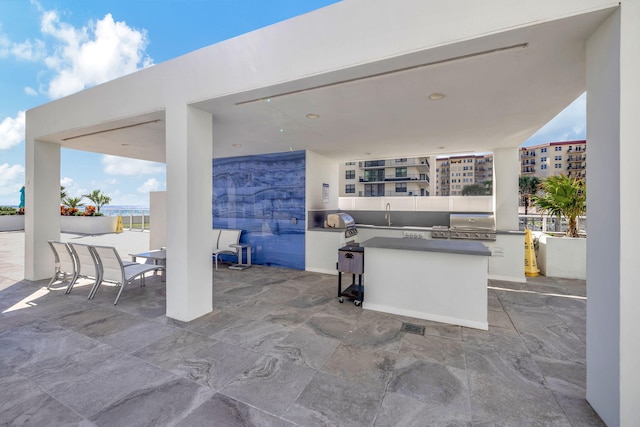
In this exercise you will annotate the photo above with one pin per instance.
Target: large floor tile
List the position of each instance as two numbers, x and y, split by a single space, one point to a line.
443 388
400 410
24 403
333 401
163 403
361 365
433 349
221 410
270 384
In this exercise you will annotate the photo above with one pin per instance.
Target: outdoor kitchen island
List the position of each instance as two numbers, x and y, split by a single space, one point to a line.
439 280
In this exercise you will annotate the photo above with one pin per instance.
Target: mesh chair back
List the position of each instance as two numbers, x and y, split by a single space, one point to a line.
216 237
87 265
110 263
63 256
228 237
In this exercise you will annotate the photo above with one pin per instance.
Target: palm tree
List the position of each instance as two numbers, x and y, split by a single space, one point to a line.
528 186
474 190
63 193
73 202
98 198
563 196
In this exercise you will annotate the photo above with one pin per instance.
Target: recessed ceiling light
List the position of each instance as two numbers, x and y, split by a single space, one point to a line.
442 147
367 154
236 145
436 96
125 145
313 116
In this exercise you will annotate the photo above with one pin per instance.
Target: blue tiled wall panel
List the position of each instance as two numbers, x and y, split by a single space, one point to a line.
261 195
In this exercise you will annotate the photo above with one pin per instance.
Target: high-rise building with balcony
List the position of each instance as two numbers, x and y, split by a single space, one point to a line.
453 173
554 158
389 177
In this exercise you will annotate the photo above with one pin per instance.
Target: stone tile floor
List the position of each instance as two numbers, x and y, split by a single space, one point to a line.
279 350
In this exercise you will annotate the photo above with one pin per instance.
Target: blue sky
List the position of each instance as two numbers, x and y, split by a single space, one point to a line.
50 49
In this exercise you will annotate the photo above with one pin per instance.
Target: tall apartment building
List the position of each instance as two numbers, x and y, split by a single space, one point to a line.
456 172
390 177
554 158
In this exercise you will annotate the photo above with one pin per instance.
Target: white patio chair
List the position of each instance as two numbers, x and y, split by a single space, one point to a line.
226 239
86 264
112 269
64 262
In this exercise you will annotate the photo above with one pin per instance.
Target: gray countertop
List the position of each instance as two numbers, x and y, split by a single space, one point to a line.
464 247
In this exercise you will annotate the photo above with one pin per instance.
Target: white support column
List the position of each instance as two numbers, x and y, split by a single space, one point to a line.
42 207
613 95
629 208
506 168
189 190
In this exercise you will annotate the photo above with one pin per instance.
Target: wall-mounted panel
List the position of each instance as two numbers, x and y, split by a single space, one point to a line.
264 196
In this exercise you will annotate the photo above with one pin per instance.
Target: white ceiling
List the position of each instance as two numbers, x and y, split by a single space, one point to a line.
494 99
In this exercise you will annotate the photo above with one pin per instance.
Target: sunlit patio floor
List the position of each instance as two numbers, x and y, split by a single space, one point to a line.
280 350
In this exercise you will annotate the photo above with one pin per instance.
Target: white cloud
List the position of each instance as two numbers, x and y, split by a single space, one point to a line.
66 182
30 91
11 180
12 131
26 51
151 184
100 51
114 165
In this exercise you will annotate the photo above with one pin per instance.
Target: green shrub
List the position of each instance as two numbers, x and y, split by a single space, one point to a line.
8 210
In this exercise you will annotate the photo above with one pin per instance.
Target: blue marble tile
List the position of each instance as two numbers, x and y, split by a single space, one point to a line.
264 196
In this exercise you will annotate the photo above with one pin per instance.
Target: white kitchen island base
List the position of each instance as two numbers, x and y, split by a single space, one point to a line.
443 281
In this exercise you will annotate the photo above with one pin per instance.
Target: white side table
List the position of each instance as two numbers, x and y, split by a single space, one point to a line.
241 265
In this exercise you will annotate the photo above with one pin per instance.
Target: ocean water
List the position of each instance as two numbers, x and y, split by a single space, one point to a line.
123 210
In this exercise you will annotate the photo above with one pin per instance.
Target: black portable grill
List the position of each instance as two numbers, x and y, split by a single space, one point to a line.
351 260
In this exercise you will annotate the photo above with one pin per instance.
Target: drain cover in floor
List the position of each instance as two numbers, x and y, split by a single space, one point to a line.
412 328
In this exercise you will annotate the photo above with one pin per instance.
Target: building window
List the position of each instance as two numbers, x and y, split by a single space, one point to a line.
543 167
350 174
558 148
373 163
401 188
543 150
558 157
401 172
350 163
350 188
374 190
372 175
401 160
543 159
558 165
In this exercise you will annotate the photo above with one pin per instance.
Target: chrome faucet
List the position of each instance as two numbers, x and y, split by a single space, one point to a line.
387 214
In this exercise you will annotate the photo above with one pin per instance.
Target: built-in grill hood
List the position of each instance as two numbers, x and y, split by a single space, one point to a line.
472 226
467 226
342 221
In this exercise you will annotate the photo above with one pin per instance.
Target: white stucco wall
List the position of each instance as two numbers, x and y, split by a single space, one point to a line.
603 210
158 211
629 208
563 257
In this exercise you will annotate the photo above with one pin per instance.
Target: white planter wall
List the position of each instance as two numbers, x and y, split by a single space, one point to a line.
11 222
563 257
88 224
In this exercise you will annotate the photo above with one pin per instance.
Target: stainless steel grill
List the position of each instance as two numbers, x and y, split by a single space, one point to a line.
439 232
467 226
342 221
472 226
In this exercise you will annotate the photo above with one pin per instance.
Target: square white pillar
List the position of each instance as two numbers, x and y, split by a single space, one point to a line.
613 102
42 207
189 193
506 169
